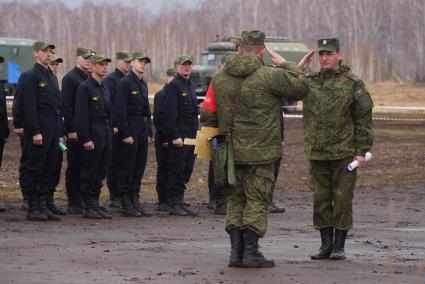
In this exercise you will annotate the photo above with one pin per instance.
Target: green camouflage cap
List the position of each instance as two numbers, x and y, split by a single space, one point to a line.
97 58
42 45
252 38
1 59
124 55
328 44
86 53
140 55
56 59
172 72
184 58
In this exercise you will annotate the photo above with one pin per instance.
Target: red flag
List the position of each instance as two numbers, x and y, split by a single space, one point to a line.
209 101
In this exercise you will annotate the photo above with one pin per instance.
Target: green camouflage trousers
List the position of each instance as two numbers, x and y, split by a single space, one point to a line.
333 190
249 200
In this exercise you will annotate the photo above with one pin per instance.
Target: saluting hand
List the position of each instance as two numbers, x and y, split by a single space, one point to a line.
277 59
178 142
128 140
88 146
306 60
37 139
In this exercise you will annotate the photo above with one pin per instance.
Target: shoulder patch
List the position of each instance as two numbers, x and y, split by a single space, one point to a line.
353 77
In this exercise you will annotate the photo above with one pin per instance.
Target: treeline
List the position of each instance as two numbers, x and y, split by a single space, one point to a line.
381 39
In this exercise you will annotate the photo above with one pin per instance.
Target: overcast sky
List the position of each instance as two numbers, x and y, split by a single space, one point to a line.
152 5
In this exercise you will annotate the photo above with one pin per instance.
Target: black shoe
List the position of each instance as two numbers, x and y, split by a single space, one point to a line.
338 252
127 209
163 207
211 204
42 203
102 212
177 210
74 209
34 213
252 257
114 203
326 234
237 248
24 204
90 211
135 201
2 208
190 211
220 208
276 209
52 207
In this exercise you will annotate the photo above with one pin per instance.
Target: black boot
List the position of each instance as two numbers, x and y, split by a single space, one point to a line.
24 204
34 213
187 207
326 234
237 245
163 207
220 207
211 201
127 209
51 205
89 208
135 201
176 207
2 207
42 203
101 211
338 252
274 208
252 257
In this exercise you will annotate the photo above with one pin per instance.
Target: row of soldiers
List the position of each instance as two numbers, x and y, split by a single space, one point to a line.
105 122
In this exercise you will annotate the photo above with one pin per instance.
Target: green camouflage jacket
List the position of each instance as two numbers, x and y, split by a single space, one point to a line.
256 132
337 116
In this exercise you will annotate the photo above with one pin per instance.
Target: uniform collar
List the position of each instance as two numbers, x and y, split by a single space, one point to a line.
80 71
96 83
135 77
43 69
119 72
183 79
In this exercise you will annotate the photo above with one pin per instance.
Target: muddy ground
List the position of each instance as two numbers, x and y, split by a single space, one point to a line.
387 244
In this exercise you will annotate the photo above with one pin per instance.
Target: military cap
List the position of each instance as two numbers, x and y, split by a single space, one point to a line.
97 58
328 44
1 59
252 38
172 72
56 59
141 55
124 55
184 58
42 45
86 53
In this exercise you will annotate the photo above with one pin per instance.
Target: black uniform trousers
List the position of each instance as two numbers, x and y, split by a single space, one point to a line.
23 179
94 163
41 160
56 175
133 158
72 173
111 177
182 159
162 159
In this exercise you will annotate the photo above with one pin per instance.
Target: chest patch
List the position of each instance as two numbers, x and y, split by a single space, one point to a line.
184 94
42 84
134 92
95 98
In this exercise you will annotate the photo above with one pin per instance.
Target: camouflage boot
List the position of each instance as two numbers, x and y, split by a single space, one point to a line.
236 243
252 257
326 234
338 252
34 213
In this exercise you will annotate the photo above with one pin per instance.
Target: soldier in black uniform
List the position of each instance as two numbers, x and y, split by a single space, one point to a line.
94 130
70 83
122 64
182 122
42 121
4 127
161 145
133 118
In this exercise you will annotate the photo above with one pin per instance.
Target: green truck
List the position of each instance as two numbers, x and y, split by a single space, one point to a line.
18 57
291 50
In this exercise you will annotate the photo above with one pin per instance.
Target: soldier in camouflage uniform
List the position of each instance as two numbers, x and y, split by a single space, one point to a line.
338 130
253 92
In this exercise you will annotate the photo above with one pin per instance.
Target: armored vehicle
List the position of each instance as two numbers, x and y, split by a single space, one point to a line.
17 53
291 50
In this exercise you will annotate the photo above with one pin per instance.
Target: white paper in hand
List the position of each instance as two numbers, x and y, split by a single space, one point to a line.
355 164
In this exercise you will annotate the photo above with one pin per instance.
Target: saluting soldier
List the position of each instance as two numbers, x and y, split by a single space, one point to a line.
122 64
70 83
338 129
182 122
42 122
133 119
161 145
93 127
4 126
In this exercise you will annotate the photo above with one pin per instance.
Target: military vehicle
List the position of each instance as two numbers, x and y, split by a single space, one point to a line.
17 53
291 50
